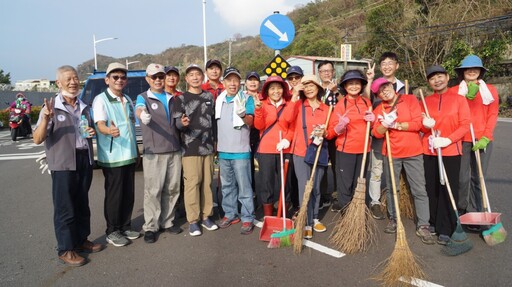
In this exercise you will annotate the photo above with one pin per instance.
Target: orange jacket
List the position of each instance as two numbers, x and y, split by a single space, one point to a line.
266 116
484 118
313 118
403 143
352 140
451 112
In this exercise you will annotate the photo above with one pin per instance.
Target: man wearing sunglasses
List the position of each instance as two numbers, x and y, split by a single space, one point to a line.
162 156
117 154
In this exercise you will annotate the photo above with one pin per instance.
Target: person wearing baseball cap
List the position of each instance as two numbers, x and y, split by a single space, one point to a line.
213 72
451 117
117 154
172 79
400 116
294 75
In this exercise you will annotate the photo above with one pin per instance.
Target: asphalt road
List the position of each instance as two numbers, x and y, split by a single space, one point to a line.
222 257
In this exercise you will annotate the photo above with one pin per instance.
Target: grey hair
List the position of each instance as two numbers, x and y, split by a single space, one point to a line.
63 69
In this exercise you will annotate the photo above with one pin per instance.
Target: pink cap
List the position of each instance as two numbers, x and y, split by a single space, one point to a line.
377 83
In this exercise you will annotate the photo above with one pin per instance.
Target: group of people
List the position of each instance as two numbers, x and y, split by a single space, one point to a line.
183 132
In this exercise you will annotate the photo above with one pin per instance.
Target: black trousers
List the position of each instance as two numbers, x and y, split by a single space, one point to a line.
442 216
119 197
269 176
326 194
348 168
71 214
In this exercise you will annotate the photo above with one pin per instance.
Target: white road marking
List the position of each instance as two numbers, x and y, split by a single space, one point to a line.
419 282
18 156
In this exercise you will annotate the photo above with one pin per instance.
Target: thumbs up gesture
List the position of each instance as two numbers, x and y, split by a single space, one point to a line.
114 131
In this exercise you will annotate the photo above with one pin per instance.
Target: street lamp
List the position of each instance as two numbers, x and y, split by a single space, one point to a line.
97 41
128 63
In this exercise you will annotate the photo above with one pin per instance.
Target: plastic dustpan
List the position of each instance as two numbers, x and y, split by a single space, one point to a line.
273 224
480 218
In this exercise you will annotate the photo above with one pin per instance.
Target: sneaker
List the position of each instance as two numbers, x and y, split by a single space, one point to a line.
130 234
247 228
377 212
336 207
324 203
149 237
423 232
193 229
117 239
308 232
209 224
226 222
391 227
443 239
432 229
174 229
319 226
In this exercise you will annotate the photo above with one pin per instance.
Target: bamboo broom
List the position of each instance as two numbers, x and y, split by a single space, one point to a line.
356 229
402 263
300 221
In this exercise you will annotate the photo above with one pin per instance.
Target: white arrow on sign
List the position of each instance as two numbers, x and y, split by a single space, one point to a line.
273 28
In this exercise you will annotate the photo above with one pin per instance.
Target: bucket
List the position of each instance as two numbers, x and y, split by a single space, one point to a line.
273 224
480 218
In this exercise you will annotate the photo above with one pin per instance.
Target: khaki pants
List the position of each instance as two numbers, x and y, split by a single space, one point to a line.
197 177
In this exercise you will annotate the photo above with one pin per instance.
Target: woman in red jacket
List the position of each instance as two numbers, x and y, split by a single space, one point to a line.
348 125
268 119
450 118
483 102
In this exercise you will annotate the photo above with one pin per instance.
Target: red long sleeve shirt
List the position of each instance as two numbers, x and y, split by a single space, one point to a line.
403 143
483 117
266 116
215 92
451 112
352 139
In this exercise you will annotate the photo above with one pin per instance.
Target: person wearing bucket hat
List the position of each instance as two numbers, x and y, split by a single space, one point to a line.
351 113
400 116
483 102
309 115
450 118
213 69
270 122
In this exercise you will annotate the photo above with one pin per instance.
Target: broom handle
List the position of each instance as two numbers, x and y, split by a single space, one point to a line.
279 209
439 154
406 87
281 161
319 147
485 197
366 140
393 182
450 191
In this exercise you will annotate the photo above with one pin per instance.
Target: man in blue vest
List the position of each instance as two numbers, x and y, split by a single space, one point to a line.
117 154
70 159
162 155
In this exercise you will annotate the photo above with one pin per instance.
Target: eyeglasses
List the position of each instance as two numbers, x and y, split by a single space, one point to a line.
390 63
115 78
160 77
325 71
293 78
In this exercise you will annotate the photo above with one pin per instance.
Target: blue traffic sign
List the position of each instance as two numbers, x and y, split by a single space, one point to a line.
277 31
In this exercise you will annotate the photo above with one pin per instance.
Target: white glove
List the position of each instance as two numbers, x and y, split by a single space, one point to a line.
43 164
428 122
441 142
389 120
240 111
283 144
145 118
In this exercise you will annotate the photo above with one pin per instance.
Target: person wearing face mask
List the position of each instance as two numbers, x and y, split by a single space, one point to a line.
483 102
269 121
70 159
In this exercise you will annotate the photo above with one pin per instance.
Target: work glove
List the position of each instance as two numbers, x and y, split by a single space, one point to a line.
240 111
388 120
342 124
282 145
428 122
481 144
369 116
43 164
440 142
145 118
473 89
240 106
431 143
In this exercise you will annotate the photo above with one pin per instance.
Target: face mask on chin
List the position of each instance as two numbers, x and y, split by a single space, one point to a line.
69 95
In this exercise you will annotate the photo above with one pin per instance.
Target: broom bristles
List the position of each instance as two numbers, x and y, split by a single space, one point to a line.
300 221
406 201
274 242
495 235
356 229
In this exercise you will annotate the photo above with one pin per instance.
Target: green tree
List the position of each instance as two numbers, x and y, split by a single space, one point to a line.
5 79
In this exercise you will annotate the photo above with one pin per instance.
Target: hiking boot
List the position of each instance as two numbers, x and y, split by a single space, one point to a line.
325 202
391 227
319 226
226 222
130 234
247 228
336 207
432 230
194 230
423 232
443 239
117 239
89 247
209 224
377 212
71 258
174 229
308 232
149 237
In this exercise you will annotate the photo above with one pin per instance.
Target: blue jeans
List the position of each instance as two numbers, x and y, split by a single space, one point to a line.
303 172
235 177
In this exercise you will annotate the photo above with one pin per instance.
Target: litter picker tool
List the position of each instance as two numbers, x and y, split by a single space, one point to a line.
355 230
300 221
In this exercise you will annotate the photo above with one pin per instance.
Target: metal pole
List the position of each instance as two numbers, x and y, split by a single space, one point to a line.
204 32
94 44
229 59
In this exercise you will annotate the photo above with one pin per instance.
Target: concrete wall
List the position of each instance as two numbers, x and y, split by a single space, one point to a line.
36 98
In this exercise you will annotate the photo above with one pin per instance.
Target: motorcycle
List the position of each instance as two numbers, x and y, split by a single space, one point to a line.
19 123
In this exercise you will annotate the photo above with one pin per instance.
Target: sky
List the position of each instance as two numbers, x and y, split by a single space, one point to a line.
39 36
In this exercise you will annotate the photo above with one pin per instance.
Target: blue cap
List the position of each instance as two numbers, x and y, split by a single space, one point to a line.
252 74
168 69
353 75
294 70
